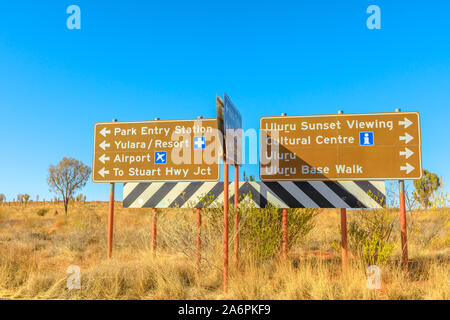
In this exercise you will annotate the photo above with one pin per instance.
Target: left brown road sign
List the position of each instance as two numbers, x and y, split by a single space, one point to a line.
160 150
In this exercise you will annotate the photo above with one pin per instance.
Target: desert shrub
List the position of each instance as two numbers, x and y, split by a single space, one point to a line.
261 229
85 229
42 212
369 236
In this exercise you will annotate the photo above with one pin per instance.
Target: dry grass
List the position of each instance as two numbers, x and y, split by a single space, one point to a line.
36 250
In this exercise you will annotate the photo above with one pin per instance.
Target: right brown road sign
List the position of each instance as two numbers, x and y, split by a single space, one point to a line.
367 146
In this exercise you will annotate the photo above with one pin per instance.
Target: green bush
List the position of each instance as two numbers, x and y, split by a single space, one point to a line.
369 236
260 230
42 212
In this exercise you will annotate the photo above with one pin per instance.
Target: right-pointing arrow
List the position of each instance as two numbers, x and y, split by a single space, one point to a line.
408 168
407 153
406 137
406 122
102 172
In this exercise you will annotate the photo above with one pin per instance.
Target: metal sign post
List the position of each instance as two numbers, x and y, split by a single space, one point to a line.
236 216
199 239
285 233
284 221
225 226
230 126
344 238
154 231
343 232
110 217
401 185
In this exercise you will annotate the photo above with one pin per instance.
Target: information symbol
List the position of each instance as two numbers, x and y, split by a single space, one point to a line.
366 138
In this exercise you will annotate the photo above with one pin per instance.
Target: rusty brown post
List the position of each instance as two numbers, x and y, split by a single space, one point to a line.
154 221
225 226
343 232
344 238
199 240
285 233
403 224
285 226
110 218
401 186
236 216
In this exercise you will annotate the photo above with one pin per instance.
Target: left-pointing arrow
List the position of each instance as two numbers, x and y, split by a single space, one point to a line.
103 158
104 145
104 132
102 172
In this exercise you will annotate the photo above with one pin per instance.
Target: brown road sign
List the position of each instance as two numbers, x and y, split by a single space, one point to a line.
160 150
367 146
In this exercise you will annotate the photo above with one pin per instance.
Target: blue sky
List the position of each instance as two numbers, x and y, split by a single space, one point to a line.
137 60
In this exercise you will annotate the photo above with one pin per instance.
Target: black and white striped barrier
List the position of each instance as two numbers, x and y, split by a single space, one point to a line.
283 194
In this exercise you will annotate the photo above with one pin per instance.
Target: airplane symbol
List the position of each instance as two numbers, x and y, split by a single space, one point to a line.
160 157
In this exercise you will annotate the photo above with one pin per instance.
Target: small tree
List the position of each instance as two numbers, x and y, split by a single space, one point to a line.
20 198
425 188
67 177
2 198
26 197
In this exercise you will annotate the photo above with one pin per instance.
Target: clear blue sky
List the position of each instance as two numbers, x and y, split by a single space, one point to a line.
137 60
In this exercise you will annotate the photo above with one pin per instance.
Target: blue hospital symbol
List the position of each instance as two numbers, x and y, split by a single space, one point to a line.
366 138
160 157
199 142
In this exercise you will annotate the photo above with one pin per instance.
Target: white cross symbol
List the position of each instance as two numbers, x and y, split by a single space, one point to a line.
199 142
